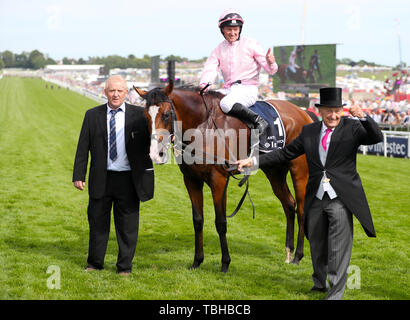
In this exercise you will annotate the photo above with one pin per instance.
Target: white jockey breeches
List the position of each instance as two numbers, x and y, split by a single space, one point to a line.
238 93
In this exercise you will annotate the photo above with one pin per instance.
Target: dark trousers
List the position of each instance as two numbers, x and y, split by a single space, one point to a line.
330 227
119 193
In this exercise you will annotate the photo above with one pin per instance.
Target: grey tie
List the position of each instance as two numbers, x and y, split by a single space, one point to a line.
113 136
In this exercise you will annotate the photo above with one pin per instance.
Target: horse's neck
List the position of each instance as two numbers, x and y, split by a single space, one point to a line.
191 110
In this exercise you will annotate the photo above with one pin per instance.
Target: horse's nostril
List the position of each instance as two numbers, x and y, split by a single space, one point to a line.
161 154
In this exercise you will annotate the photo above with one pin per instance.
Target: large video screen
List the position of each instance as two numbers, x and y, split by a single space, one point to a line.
304 68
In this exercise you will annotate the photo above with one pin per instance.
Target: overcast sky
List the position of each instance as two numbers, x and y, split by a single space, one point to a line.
363 29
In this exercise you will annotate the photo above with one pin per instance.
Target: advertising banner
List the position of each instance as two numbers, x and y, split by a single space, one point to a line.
397 147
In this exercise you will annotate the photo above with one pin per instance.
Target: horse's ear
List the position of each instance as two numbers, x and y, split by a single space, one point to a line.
141 92
168 89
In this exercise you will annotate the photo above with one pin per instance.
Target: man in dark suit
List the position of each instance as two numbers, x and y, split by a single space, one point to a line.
334 190
116 136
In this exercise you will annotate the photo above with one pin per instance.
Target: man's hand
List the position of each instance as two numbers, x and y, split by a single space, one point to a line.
356 111
245 163
79 185
207 86
270 58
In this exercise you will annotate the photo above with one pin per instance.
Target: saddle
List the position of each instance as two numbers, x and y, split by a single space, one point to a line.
275 135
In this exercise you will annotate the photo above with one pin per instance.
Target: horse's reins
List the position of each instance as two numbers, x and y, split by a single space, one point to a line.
184 145
229 168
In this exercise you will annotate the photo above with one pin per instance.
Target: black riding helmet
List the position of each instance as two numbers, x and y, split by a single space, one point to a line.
230 18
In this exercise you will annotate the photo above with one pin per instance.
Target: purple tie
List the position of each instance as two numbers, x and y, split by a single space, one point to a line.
324 139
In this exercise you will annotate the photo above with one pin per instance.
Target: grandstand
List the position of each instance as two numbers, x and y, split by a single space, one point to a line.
369 93
87 68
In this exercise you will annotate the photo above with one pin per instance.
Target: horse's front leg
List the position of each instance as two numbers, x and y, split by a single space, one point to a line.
219 198
195 188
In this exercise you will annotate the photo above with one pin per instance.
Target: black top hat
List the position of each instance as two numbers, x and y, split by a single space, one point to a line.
330 97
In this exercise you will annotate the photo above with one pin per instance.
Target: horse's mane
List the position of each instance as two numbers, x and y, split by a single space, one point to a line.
213 103
156 96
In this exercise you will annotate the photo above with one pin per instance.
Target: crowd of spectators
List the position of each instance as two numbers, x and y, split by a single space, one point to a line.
382 109
386 113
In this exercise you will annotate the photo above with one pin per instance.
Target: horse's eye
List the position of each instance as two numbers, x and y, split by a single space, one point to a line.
166 116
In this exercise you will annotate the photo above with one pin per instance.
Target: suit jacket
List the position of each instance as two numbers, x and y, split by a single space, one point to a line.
340 163
93 139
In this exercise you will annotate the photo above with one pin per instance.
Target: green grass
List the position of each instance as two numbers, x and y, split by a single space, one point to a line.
43 222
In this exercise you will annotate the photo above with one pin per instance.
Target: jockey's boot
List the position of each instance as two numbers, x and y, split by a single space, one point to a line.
250 118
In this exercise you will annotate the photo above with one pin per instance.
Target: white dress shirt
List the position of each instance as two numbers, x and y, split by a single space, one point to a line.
322 134
121 163
325 185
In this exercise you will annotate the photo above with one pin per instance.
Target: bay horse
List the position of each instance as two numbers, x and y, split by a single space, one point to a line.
187 107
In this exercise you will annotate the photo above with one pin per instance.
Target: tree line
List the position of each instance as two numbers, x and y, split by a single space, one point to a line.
37 60
359 63
28 60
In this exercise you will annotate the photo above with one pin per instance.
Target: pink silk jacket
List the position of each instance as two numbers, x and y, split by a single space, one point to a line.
241 60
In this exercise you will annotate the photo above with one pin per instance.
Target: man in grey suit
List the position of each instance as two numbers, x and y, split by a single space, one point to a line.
334 191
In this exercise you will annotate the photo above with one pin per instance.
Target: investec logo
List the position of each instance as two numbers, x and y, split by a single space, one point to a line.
376 148
397 147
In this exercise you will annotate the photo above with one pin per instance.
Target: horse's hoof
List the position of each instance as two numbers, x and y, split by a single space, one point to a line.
195 265
225 267
296 260
288 256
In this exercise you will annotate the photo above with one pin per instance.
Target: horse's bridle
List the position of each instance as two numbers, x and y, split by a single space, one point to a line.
155 136
178 145
178 151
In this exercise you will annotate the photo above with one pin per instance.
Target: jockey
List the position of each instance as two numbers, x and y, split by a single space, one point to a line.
292 64
239 59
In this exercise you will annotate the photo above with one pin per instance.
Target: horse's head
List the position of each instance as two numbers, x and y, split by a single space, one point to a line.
161 116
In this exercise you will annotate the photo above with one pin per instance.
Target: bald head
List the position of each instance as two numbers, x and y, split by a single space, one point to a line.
116 78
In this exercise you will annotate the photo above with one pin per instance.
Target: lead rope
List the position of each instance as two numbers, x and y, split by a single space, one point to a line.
245 179
201 92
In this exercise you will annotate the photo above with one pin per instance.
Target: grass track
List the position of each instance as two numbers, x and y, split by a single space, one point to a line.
43 222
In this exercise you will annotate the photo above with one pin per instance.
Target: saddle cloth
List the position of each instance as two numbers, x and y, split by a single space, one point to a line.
275 136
